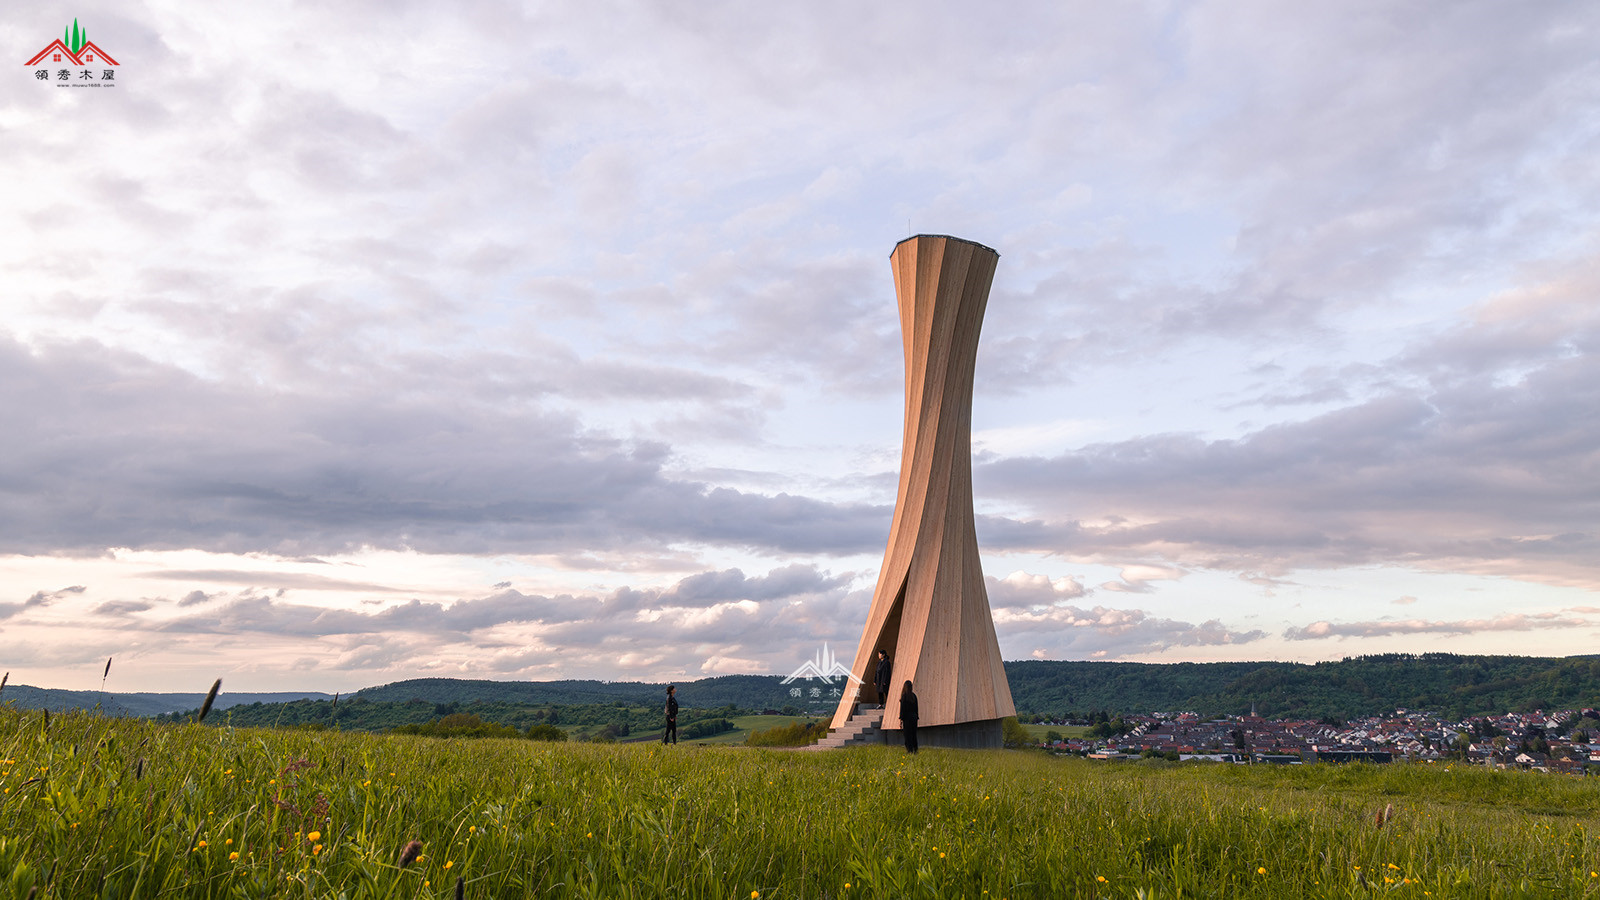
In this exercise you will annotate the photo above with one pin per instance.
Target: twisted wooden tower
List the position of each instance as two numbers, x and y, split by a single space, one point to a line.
930 610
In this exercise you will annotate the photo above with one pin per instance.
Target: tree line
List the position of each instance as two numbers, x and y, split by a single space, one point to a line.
1450 685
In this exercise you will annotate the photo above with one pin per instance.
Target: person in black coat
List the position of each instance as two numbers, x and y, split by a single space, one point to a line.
880 676
670 735
908 717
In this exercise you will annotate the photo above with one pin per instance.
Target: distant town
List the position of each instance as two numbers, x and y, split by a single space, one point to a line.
1558 742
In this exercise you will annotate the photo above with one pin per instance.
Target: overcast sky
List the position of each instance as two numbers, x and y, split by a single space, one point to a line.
341 346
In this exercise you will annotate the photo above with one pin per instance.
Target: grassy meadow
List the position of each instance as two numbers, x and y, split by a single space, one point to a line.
743 725
98 807
1067 731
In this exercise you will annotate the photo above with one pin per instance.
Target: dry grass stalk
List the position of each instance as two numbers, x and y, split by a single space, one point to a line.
1384 815
211 697
409 853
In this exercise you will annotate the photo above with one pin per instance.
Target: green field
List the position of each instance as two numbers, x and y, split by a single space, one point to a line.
747 724
119 808
743 726
1066 731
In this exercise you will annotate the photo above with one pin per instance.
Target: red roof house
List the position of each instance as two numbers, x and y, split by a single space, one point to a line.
55 52
89 54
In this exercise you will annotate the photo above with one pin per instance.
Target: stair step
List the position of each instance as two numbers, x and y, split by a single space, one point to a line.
861 728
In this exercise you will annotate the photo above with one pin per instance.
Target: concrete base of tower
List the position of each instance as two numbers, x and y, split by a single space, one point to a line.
984 734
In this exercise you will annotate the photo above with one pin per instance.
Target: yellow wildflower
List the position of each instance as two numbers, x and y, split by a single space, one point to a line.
314 836
233 855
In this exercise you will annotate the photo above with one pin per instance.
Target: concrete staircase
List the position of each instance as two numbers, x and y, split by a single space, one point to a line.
861 729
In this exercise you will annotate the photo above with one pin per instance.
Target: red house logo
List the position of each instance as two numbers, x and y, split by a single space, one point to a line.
73 48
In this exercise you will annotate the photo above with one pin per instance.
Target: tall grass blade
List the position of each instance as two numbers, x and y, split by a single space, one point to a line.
211 697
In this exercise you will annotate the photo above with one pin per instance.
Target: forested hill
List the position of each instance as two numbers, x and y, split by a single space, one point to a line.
1444 683
1440 682
743 691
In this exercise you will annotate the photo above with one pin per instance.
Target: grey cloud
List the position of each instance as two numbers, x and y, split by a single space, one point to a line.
1383 627
122 607
732 584
1363 162
39 599
1266 583
194 598
617 611
1127 587
255 613
1137 579
705 622
1006 533
1102 631
1488 474
295 580
314 135
141 455
1037 616
1022 591
827 318
765 620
